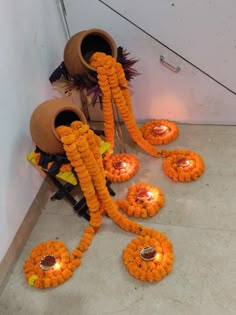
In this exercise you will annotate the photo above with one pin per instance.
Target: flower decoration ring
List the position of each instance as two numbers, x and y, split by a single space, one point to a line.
49 265
142 200
121 167
183 165
149 258
158 132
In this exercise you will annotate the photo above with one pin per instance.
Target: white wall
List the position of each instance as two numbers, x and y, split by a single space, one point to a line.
32 40
188 96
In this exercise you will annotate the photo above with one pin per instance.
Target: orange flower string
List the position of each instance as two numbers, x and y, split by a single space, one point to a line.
142 200
183 165
161 241
121 167
94 143
126 224
66 263
115 85
158 132
109 126
51 264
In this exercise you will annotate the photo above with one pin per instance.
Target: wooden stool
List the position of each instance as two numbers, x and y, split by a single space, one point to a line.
64 190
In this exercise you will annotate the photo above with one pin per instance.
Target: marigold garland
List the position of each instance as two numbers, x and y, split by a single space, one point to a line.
183 165
77 141
82 149
142 200
158 132
79 144
114 87
121 167
153 270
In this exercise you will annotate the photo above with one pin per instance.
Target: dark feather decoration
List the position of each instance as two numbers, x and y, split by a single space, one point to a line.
89 81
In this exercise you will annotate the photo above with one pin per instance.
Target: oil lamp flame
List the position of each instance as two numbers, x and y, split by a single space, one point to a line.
47 262
57 266
144 195
160 129
158 257
119 164
148 253
183 162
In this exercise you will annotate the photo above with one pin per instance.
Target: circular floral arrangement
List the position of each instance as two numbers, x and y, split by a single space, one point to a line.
158 132
149 258
142 200
49 265
121 167
183 165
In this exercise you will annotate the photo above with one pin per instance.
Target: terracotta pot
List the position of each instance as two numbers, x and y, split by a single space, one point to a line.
49 115
83 45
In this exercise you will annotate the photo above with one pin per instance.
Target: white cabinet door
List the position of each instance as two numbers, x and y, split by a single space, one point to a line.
188 96
201 31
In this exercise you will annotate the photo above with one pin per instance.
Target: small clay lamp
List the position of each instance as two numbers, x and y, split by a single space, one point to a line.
119 164
144 195
183 162
148 253
47 262
160 129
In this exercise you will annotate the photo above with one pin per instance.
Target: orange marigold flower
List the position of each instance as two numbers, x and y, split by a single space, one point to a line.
142 200
121 167
38 265
158 132
50 263
111 72
145 259
183 165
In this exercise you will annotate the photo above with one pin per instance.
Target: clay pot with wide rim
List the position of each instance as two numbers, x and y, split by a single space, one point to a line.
49 115
80 48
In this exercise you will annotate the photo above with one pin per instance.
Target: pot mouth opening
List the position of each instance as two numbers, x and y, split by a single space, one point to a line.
94 43
65 118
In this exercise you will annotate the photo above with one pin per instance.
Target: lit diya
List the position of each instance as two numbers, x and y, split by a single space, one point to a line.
47 262
142 200
148 253
121 167
158 132
149 258
49 265
161 129
183 162
144 195
183 165
119 164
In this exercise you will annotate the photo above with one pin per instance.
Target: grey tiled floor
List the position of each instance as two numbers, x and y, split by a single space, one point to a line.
199 218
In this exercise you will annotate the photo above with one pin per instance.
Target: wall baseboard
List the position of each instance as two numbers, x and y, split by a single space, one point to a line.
22 235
